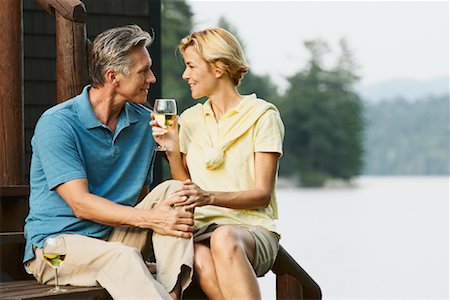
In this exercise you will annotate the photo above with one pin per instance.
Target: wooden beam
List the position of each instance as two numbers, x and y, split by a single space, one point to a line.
71 58
288 288
292 281
71 46
14 191
73 10
11 94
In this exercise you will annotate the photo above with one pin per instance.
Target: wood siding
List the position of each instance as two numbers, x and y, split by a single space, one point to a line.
40 50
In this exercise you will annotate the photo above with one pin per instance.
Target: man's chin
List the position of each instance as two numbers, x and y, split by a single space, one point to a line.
138 100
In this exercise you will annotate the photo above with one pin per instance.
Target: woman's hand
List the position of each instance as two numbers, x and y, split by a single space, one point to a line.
194 195
166 136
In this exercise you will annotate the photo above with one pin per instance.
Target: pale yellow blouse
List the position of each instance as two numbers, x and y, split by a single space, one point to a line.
220 155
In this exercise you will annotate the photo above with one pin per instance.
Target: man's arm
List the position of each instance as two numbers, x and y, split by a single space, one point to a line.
163 218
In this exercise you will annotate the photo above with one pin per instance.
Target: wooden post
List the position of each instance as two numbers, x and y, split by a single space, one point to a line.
292 281
71 58
288 288
71 46
11 94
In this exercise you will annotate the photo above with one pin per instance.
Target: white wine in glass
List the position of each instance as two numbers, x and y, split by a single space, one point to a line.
54 252
164 112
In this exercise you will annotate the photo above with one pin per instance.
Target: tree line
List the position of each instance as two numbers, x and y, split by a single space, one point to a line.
321 113
405 137
330 134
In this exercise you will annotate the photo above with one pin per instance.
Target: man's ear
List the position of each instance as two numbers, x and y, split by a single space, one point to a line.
111 77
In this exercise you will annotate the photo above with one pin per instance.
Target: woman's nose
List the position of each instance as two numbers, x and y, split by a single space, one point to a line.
185 75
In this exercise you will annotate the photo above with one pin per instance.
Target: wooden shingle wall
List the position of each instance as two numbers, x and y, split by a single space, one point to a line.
39 50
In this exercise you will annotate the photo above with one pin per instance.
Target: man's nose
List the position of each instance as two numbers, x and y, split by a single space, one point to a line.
151 78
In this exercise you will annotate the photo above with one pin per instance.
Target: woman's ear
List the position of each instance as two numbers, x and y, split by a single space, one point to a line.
219 69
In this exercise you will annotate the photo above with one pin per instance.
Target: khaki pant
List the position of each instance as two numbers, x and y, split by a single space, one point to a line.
117 264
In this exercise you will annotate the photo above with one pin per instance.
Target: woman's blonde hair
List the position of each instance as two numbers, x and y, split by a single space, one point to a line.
215 46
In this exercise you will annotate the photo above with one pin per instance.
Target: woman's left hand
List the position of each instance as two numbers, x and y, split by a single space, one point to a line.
195 196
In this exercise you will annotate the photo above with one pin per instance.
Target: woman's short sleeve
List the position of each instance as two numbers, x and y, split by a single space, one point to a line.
269 133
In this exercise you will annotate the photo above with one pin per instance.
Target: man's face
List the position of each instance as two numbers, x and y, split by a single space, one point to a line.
134 86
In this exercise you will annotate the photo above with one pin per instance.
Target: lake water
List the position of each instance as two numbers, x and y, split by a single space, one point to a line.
384 238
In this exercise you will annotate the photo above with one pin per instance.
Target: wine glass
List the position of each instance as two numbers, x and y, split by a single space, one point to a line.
54 252
164 112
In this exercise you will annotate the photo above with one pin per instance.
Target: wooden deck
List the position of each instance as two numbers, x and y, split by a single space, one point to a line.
30 289
39 78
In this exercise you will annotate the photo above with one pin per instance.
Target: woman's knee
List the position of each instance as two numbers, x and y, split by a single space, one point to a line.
226 242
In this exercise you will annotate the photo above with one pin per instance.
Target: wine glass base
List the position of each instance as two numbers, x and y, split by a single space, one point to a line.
163 149
56 290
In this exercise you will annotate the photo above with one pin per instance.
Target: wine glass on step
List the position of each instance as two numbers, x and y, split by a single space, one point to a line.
54 251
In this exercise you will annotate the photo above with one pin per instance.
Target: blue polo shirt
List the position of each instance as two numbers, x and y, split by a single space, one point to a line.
69 142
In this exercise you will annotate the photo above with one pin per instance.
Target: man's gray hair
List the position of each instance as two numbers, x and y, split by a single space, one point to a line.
111 50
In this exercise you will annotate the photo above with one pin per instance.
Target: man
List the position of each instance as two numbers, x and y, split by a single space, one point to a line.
92 155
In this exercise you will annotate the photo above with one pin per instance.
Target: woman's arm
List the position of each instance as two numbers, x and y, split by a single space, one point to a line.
169 136
266 165
177 163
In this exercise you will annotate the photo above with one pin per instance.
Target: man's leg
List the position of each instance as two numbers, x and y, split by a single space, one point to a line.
118 268
174 256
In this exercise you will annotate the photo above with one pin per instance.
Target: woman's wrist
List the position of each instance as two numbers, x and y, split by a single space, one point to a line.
209 199
173 153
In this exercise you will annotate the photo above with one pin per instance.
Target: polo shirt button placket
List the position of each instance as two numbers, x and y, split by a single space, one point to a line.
116 150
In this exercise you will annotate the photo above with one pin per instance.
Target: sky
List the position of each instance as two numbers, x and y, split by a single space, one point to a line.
390 40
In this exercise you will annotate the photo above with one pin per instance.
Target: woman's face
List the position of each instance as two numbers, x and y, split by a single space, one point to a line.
199 74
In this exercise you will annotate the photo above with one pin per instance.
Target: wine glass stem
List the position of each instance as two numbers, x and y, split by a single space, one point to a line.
56 279
163 142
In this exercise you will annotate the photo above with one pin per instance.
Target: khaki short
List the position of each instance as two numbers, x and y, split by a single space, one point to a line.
266 245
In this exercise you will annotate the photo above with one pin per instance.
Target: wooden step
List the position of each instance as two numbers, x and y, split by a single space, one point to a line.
30 289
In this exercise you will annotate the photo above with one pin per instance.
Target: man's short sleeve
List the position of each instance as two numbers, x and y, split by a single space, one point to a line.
149 178
269 133
55 145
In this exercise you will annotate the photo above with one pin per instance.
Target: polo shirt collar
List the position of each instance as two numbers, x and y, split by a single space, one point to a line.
207 109
127 116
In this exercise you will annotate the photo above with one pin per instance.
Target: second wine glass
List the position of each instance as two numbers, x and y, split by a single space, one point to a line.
54 252
164 111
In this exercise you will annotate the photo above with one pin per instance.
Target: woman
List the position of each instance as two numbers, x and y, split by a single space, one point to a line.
227 154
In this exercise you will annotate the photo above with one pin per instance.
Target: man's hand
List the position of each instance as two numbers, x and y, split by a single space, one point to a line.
165 219
162 218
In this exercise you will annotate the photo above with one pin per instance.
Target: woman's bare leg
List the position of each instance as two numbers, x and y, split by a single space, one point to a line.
206 272
232 249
